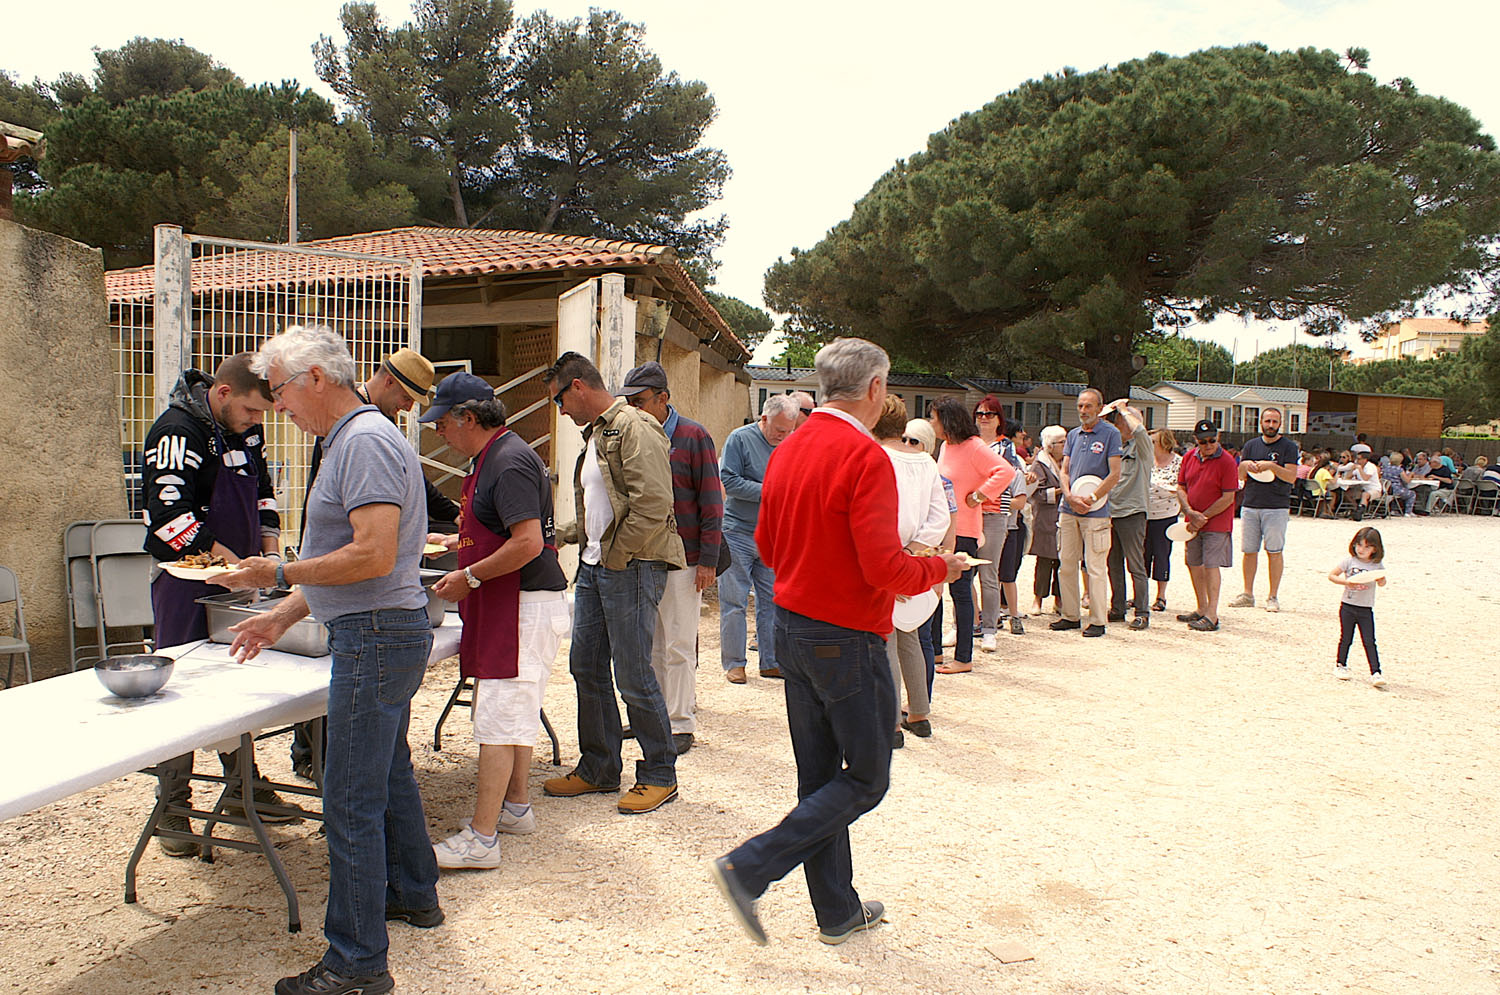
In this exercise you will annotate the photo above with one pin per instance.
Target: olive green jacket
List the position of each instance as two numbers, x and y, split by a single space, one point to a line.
634 458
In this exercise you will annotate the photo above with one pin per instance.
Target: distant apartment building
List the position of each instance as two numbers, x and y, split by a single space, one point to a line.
1419 338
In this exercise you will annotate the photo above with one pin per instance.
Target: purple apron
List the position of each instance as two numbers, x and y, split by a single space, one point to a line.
234 520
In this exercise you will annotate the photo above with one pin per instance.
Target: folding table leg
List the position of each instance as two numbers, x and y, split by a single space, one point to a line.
556 750
247 798
437 731
146 834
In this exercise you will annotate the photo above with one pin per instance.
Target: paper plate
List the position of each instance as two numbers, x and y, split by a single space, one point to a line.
1366 576
1264 476
194 573
1085 485
1426 483
969 561
915 610
433 549
1179 532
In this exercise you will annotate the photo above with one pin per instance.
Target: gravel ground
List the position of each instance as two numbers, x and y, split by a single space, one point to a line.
1162 812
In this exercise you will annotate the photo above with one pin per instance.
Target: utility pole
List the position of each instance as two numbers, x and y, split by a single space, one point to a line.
291 187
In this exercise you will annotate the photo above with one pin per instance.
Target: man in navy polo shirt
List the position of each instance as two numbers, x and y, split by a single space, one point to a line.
1265 507
1092 449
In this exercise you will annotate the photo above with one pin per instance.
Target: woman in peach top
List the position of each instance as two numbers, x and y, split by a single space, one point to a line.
978 474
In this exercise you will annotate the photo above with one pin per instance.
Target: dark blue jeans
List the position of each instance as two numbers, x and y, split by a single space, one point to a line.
839 700
962 593
614 617
378 850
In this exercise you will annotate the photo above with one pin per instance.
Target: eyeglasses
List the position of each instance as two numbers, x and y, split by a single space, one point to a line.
806 412
276 391
986 414
910 441
557 398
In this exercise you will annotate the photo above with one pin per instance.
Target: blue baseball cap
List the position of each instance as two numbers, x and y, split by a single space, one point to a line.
457 388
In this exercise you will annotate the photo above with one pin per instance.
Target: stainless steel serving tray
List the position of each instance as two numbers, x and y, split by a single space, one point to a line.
307 637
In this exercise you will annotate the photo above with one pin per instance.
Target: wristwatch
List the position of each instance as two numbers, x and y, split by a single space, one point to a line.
281 583
469 576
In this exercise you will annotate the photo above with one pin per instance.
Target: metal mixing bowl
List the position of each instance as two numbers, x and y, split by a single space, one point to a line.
134 676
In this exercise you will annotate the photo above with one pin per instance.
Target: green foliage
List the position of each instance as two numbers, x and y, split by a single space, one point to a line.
436 83
29 105
747 322
1085 210
1177 357
152 67
1290 366
611 143
796 353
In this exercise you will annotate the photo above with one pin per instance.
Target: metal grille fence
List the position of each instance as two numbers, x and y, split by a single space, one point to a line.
212 298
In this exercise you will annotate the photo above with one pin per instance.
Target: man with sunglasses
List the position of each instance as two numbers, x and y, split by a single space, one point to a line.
1206 486
805 406
622 494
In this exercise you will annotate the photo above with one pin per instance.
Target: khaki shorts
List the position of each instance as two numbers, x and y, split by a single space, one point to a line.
1210 549
508 712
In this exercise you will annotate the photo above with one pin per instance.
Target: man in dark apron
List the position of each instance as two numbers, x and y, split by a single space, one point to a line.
512 595
207 491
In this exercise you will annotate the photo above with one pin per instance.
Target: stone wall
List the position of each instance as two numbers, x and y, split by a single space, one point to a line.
60 428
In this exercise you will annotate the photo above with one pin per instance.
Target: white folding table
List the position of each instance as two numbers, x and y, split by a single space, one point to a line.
210 699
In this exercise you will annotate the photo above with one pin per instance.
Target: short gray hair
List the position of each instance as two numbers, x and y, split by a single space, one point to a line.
1053 433
301 347
846 366
487 414
779 404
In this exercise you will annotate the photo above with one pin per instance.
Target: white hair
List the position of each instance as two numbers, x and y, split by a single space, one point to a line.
1053 433
921 430
779 404
301 347
846 366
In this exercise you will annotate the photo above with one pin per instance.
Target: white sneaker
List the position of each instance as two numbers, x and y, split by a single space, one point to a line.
465 849
1377 680
950 637
519 825
988 643
1272 605
1243 601
1341 672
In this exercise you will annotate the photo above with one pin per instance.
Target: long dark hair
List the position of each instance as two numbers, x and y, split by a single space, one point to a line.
957 423
1371 536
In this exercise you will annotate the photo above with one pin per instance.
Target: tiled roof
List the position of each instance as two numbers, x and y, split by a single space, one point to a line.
779 374
1015 387
447 252
1229 391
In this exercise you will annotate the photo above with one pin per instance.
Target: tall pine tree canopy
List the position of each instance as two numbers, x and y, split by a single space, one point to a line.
1084 211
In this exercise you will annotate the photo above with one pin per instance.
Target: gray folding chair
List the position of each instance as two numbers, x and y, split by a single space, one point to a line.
122 582
15 644
1489 491
78 571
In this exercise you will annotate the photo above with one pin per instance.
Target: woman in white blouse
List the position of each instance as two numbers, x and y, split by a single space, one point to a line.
1161 512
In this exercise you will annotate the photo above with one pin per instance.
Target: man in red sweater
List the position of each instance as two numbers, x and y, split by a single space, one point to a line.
828 530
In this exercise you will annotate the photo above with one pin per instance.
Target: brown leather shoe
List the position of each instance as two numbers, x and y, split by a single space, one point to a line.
646 798
573 785
774 673
735 675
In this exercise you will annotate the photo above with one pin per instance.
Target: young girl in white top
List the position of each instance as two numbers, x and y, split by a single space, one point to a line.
1357 607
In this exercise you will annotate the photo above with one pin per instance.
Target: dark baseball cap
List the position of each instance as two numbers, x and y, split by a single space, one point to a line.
647 376
1205 429
457 388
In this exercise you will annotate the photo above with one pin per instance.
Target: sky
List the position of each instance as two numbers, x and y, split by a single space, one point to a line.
818 98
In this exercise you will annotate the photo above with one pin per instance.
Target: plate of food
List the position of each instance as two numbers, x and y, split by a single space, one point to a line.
434 549
1264 476
198 566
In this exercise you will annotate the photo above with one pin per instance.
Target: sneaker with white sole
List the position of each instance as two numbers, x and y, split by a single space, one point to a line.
988 643
464 849
519 825
1243 601
1341 672
950 637
1272 605
1377 680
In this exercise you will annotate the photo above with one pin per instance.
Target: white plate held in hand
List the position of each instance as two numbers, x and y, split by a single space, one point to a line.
1179 532
1264 476
194 573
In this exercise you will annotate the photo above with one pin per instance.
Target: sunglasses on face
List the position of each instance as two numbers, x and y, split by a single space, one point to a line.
910 441
986 414
557 398
805 411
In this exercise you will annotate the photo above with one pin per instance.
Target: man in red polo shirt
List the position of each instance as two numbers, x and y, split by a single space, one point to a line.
1206 485
827 529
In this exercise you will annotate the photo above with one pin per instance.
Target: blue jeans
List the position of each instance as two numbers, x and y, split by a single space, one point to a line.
839 703
378 850
734 595
614 617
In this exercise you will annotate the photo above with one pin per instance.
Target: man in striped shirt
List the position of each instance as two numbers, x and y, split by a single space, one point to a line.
698 503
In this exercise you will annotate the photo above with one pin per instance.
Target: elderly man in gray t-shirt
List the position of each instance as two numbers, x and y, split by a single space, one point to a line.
1127 515
362 540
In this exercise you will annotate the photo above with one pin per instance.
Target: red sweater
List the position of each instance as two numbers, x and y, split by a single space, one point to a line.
828 528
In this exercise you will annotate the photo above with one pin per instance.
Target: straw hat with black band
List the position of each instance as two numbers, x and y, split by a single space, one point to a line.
411 370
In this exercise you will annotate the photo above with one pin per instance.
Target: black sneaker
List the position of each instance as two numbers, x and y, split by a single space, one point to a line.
1115 616
322 981
682 742
1140 622
1094 630
741 904
420 918
1065 623
868 917
1016 628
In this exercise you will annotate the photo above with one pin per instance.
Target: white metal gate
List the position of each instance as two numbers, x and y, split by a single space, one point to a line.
210 298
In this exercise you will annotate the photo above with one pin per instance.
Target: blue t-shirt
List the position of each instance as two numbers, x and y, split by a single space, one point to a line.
366 460
742 469
1087 453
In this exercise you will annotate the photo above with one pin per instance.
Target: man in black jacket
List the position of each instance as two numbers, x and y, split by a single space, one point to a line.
206 491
